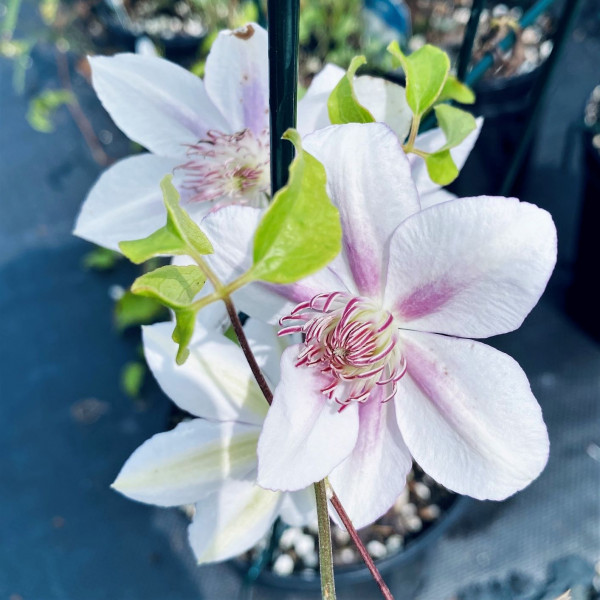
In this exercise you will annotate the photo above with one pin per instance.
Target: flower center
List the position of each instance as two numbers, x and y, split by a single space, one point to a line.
351 340
232 167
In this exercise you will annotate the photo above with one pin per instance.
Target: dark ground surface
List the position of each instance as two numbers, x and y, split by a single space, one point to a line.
64 535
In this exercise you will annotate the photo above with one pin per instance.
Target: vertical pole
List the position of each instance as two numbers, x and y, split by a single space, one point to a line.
466 50
283 83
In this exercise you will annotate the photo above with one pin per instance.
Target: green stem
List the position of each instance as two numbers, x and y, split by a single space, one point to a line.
414 130
325 551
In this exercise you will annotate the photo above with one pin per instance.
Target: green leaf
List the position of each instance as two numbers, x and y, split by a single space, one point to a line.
131 310
101 259
179 236
176 288
426 71
171 285
456 124
343 105
441 167
300 232
455 90
42 108
185 320
132 378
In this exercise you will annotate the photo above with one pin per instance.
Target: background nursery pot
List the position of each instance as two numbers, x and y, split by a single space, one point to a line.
584 295
261 565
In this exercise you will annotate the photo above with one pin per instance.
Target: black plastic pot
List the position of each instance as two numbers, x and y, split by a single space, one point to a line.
505 104
583 301
176 47
402 567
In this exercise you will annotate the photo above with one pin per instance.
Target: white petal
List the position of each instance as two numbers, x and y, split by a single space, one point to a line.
373 199
231 231
469 418
215 382
126 202
183 465
154 102
237 77
304 436
433 140
267 346
312 109
370 480
299 508
472 267
232 520
386 101
435 196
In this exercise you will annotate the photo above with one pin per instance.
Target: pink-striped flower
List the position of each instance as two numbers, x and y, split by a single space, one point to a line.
385 373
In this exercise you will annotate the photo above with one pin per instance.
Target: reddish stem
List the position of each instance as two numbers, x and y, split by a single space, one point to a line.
335 502
243 340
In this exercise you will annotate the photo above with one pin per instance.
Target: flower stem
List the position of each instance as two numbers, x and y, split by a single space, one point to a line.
243 340
335 502
325 551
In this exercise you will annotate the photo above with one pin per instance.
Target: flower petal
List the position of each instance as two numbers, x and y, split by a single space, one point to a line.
304 436
386 101
471 267
312 108
372 198
183 465
215 382
231 231
154 102
433 140
436 196
237 77
267 347
126 202
232 520
299 508
468 416
370 480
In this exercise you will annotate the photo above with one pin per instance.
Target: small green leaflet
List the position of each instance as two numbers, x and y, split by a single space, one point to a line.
132 378
179 236
133 310
456 124
455 90
343 105
426 71
441 167
300 232
175 287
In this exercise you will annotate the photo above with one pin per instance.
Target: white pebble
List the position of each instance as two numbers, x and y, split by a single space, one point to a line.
288 537
429 513
530 36
408 510
311 559
376 549
402 500
416 41
347 556
341 537
546 49
394 543
116 292
500 10
304 544
283 565
422 490
414 524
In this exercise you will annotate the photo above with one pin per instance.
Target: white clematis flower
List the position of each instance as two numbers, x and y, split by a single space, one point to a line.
385 372
211 461
214 134
386 101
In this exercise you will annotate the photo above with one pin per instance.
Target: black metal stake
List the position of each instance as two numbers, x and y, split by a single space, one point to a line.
283 30
538 92
464 57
